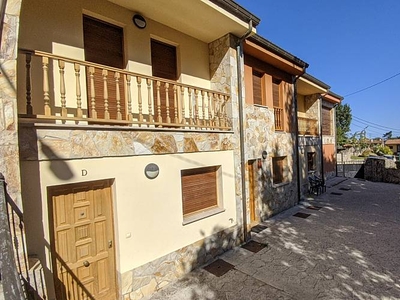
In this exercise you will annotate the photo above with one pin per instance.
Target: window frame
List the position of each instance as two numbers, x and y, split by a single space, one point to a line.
203 212
313 162
283 170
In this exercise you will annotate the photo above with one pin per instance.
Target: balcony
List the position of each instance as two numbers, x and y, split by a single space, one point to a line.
278 114
61 90
308 126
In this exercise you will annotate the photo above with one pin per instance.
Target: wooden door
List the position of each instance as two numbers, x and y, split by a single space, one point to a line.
103 43
252 194
83 241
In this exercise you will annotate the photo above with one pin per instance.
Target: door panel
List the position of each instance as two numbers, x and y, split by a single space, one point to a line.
83 253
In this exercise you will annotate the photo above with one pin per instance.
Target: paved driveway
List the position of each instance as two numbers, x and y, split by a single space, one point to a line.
349 249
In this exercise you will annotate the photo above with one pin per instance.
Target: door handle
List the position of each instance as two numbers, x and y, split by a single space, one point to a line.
110 244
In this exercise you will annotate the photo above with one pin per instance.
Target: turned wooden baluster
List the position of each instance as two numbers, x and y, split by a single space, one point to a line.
129 96
93 112
159 118
209 109
139 87
176 120
196 107
105 95
167 102
220 111
46 95
79 112
183 121
151 119
118 95
203 108
61 66
216 110
190 106
29 108
223 111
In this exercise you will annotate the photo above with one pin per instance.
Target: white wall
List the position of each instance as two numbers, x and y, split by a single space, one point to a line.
147 213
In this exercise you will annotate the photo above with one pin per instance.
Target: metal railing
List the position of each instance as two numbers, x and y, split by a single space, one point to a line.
68 90
19 280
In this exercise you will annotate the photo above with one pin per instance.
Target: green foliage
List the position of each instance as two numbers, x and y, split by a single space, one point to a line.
382 150
366 153
343 121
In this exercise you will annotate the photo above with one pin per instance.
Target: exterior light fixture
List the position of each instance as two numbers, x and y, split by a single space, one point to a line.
264 154
151 171
139 21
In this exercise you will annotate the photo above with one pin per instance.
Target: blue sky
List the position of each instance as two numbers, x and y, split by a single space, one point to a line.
349 44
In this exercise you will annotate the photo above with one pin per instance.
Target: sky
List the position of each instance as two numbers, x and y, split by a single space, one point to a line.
350 45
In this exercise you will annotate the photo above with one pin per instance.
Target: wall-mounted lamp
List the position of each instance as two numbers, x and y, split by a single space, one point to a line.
151 171
264 154
139 21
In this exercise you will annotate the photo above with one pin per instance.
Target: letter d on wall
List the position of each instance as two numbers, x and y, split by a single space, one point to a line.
84 172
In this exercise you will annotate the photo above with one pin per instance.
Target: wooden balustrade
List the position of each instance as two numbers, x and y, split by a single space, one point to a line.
308 126
115 96
278 114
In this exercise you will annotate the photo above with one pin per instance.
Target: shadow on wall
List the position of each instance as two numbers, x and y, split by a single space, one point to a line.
60 169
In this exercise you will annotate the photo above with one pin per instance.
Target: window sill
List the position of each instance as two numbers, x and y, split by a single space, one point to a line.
202 215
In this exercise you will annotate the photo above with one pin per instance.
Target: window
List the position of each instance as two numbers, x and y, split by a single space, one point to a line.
279 169
257 90
164 65
275 92
278 110
326 121
200 189
311 161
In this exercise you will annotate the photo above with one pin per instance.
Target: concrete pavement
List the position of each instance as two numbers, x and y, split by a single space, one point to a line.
348 249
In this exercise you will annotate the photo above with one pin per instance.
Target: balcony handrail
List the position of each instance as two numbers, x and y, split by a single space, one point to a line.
122 71
116 96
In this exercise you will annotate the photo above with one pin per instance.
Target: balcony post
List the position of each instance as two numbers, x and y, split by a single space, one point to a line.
167 102
139 87
183 120
105 95
79 112
29 109
92 93
176 120
118 95
159 118
149 101
46 95
129 96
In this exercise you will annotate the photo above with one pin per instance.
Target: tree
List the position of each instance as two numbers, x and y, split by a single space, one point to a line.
343 121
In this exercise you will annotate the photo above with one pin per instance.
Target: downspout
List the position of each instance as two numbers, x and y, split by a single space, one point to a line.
294 81
321 140
239 55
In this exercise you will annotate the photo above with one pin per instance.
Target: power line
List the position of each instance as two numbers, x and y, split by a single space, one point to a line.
371 86
369 123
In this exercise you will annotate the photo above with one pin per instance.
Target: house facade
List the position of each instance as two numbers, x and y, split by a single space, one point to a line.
269 125
394 146
140 141
125 133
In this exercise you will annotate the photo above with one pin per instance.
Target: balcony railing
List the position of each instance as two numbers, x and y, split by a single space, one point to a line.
308 126
65 90
278 114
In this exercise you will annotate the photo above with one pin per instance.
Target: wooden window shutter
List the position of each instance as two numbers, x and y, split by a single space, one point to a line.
326 121
103 44
275 92
257 91
277 169
163 60
199 189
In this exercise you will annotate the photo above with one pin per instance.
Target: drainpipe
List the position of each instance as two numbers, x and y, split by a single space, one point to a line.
239 55
296 140
320 140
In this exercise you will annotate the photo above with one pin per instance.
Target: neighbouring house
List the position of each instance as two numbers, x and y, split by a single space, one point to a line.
123 125
309 91
269 128
328 130
394 145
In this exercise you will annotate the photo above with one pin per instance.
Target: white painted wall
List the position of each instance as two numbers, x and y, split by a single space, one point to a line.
147 213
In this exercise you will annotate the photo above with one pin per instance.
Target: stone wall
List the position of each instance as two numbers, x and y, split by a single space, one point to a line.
261 136
382 170
9 163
